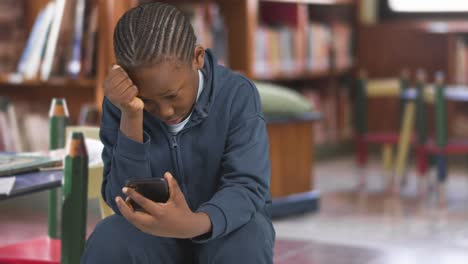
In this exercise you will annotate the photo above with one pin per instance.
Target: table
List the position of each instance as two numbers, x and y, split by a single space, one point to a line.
33 182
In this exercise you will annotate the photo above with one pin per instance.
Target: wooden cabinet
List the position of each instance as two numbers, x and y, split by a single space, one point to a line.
291 157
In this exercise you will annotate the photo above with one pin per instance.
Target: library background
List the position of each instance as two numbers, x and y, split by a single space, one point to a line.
364 100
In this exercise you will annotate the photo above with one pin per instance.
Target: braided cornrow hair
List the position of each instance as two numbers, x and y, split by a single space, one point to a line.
152 33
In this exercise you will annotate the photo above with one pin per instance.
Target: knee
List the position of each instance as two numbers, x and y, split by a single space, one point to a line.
258 233
109 242
252 243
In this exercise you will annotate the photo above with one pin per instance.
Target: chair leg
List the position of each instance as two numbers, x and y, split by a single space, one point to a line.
441 161
422 159
361 161
361 149
403 146
387 161
387 156
441 168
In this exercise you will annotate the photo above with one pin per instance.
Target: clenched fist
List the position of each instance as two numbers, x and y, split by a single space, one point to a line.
121 91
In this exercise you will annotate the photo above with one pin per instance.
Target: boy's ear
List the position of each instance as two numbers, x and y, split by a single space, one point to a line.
198 57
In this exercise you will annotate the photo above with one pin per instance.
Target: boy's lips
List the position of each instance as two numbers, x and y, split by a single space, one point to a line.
174 121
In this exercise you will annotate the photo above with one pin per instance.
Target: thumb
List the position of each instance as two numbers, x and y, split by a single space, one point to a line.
174 189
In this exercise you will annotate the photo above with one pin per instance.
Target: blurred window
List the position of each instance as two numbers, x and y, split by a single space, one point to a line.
428 5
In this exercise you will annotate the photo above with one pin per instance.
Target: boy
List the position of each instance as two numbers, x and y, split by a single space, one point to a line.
170 110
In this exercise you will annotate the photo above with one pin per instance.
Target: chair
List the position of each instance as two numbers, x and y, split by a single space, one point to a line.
442 146
414 114
69 248
370 89
45 249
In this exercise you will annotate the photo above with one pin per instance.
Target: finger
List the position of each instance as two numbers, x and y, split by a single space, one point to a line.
125 210
122 82
114 84
130 93
128 203
174 189
139 219
148 205
117 72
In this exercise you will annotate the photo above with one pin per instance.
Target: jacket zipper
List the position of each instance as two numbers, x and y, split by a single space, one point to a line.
177 162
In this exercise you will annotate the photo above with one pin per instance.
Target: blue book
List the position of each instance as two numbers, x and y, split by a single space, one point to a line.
11 163
74 67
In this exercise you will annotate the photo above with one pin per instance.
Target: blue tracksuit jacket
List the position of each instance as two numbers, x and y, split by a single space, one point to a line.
220 159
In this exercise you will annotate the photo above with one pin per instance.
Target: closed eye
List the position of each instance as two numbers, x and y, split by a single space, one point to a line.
171 96
146 101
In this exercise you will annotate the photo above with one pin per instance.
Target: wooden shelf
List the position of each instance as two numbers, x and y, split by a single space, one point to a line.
7 80
303 75
444 26
430 26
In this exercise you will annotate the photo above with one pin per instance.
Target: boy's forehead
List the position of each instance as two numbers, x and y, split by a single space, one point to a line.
158 79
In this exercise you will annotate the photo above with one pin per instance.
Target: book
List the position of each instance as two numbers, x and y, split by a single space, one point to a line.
209 27
39 43
33 122
341 45
74 66
11 33
318 47
5 142
90 43
6 185
12 163
46 67
14 127
11 137
32 40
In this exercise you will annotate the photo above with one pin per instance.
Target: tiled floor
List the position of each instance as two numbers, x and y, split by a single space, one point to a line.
351 227
373 227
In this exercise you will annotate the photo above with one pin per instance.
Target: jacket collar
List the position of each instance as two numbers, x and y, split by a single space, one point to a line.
202 107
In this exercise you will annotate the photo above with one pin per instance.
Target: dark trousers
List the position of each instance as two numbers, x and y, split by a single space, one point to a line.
116 241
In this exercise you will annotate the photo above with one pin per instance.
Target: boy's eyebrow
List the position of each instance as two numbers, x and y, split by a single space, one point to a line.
169 91
165 92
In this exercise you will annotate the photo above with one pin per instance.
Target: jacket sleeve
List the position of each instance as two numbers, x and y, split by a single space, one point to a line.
123 157
245 177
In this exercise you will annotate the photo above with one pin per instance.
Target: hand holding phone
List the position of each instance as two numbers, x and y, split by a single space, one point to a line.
155 189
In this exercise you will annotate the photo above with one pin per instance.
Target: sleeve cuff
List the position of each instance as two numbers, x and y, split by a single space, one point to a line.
132 149
218 223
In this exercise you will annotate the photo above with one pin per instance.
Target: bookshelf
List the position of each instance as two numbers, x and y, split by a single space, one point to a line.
241 41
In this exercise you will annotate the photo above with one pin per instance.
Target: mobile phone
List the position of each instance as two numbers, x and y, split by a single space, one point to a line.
155 189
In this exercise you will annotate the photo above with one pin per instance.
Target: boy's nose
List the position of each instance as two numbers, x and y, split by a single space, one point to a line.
167 112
